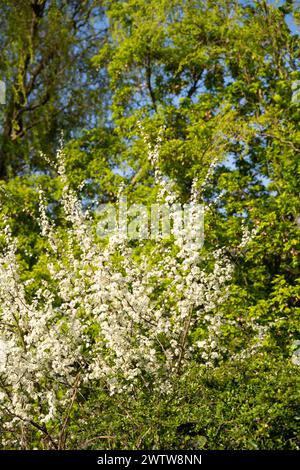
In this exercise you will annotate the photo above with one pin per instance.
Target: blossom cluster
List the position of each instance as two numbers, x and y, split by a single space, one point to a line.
100 318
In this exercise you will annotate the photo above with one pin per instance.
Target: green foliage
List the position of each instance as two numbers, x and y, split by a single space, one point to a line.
251 406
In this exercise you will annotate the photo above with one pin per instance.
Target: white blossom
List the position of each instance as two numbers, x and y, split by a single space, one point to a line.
128 325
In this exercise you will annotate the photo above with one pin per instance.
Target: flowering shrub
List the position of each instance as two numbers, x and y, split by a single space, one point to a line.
100 316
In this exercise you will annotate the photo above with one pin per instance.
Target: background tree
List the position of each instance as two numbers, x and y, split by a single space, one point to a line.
46 48
219 77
